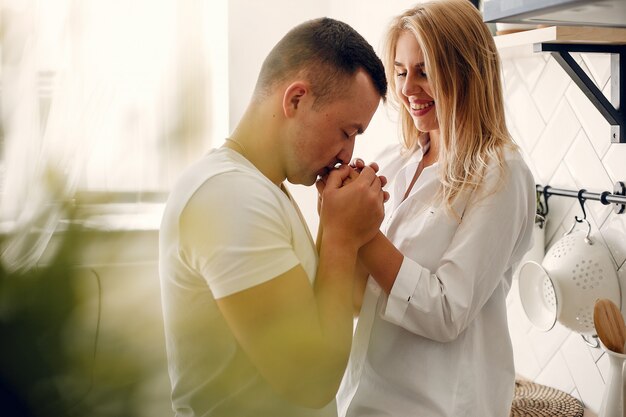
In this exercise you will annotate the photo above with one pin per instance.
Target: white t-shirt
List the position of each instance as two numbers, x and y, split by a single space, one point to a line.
239 230
439 344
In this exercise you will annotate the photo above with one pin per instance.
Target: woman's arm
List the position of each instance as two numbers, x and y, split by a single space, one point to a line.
360 282
382 259
439 304
361 272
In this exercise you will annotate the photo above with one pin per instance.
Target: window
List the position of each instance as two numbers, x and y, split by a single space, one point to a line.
102 100
113 96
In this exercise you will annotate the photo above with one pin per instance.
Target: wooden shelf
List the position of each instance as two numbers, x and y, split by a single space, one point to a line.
560 42
563 34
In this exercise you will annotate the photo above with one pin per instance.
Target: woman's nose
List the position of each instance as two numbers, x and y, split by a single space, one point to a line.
411 87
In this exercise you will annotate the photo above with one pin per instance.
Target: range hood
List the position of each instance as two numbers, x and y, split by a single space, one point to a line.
608 13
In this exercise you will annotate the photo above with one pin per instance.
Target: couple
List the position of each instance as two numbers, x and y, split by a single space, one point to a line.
259 317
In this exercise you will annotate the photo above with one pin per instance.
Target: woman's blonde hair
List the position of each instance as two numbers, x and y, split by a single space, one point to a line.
463 68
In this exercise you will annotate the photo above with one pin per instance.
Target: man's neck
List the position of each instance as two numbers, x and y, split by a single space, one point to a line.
257 137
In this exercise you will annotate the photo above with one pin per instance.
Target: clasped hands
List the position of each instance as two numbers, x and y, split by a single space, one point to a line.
351 201
356 166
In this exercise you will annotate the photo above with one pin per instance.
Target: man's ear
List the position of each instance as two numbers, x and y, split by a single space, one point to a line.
294 95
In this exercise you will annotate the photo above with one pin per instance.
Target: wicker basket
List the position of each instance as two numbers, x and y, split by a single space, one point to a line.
535 400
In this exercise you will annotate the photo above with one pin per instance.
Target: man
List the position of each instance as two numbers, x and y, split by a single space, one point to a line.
257 322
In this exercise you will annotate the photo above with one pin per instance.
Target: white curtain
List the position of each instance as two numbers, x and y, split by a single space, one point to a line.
97 95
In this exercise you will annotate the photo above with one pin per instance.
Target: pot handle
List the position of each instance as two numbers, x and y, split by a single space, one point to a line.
591 341
587 238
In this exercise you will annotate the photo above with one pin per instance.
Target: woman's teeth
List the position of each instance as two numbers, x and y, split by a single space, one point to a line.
415 106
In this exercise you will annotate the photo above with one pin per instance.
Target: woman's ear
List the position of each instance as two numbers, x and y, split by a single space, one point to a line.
294 95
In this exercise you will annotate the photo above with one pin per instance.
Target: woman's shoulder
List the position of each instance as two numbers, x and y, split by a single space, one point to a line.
508 174
511 160
514 162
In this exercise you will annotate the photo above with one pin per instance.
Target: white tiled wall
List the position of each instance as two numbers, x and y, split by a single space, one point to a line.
567 145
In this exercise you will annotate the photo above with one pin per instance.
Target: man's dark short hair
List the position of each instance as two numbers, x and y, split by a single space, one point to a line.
329 52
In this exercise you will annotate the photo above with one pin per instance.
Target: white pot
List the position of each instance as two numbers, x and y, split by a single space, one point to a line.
575 272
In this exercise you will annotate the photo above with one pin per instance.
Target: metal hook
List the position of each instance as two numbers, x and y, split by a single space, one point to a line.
587 238
581 200
546 194
539 203
591 340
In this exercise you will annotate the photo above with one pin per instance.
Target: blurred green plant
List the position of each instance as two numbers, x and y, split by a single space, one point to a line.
48 354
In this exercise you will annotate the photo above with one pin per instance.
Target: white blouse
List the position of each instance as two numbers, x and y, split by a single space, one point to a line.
439 344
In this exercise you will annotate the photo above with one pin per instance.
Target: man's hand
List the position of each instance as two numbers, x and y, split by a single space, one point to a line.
353 212
357 166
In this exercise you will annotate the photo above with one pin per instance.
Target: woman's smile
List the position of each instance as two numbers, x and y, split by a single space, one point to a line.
420 107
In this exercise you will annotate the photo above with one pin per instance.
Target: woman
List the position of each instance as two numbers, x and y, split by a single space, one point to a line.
432 338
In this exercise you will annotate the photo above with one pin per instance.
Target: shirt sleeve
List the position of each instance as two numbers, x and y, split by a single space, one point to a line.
235 233
494 233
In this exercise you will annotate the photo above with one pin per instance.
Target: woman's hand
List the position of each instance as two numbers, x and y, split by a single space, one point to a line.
357 166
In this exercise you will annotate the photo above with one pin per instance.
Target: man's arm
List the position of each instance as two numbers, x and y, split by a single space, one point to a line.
299 336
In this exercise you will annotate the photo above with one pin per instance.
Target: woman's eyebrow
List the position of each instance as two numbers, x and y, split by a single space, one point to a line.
418 65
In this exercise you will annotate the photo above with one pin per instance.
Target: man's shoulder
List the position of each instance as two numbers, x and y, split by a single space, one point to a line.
221 171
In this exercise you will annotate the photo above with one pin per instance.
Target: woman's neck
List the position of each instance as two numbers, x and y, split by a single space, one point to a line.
432 150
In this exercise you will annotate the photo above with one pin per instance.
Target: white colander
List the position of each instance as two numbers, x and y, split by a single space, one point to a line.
576 271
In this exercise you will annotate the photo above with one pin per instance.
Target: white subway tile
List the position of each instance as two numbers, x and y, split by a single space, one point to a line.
595 125
550 87
599 67
603 366
509 76
555 140
614 233
522 112
615 162
556 375
589 173
530 68
546 344
584 371
596 353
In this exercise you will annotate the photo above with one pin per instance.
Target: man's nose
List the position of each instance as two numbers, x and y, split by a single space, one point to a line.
345 155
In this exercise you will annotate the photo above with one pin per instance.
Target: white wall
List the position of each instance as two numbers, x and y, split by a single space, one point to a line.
254 28
216 31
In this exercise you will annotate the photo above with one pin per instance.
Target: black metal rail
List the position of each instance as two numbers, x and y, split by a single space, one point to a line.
617 197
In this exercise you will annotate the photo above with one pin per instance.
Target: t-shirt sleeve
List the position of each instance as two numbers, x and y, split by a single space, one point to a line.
234 232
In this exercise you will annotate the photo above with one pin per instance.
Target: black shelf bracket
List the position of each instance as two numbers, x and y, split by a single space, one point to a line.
614 111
